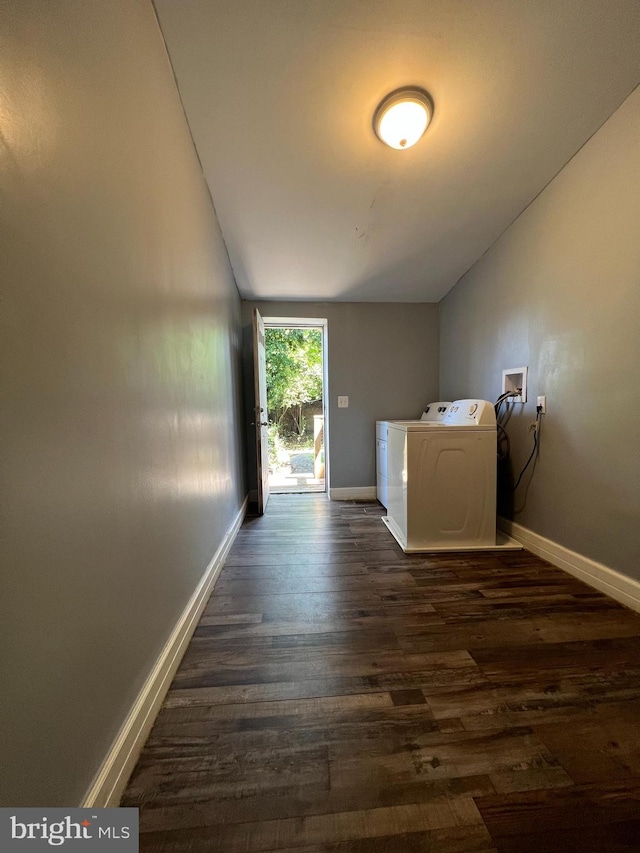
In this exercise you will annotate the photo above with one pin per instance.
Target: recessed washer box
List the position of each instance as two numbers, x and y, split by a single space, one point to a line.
514 378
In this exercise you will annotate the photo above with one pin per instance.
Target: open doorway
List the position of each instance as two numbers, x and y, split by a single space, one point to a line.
296 393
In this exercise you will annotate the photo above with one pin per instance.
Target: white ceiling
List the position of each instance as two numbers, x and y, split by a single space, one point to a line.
280 96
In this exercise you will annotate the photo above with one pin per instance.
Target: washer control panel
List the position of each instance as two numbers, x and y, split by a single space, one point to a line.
435 411
470 413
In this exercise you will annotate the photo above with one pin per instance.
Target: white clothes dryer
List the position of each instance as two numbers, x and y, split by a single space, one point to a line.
442 480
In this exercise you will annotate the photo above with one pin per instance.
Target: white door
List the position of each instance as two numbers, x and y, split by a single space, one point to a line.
261 418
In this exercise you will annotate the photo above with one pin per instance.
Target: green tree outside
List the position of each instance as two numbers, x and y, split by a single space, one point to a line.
294 373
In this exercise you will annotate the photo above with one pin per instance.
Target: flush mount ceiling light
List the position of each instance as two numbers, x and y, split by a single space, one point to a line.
402 117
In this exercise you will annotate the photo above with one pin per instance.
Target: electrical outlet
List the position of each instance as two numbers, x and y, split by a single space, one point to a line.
542 404
343 402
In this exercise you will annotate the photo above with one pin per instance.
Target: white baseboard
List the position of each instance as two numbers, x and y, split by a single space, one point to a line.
355 493
111 780
614 584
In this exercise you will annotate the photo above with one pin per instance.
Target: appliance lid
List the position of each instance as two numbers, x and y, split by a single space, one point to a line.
435 426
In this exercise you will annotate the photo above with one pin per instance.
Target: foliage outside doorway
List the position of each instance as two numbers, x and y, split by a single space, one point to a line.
294 367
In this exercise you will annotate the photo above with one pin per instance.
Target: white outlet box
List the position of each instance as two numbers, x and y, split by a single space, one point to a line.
542 404
514 378
343 402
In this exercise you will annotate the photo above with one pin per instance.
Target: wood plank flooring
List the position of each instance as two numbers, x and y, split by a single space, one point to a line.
339 696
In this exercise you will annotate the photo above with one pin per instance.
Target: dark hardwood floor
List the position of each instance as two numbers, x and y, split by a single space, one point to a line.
340 696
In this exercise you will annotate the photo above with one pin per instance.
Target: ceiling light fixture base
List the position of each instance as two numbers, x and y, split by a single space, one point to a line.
402 117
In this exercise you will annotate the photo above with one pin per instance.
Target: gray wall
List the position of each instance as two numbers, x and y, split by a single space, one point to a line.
120 337
560 292
384 356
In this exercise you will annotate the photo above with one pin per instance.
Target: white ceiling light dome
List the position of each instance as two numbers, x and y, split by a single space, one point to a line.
402 117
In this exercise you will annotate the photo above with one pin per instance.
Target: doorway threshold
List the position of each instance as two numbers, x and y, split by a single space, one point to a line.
297 490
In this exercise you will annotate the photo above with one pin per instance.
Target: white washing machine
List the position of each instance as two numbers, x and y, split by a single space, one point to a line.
432 412
442 480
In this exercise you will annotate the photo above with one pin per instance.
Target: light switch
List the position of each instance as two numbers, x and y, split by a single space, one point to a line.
343 402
